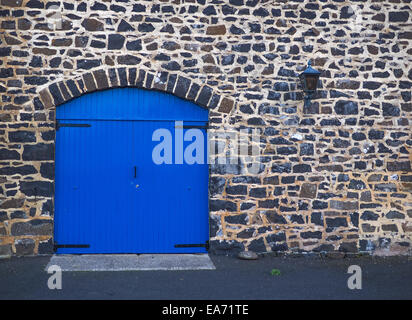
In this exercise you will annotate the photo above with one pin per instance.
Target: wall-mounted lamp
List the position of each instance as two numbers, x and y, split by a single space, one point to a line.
309 79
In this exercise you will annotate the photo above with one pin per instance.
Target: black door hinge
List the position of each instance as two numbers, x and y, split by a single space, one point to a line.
57 246
81 125
194 245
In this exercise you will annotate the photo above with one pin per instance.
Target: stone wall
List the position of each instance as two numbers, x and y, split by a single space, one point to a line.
333 176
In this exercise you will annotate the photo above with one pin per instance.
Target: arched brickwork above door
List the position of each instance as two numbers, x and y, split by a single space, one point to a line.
101 79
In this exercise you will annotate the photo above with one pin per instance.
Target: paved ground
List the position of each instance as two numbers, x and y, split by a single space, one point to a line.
300 278
131 262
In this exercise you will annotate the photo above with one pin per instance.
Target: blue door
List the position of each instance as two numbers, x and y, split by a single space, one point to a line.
110 195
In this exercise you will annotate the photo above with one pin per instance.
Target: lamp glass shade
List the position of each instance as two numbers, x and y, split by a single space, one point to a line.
311 82
309 78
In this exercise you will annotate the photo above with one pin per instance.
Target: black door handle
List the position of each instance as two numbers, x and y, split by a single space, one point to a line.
135 171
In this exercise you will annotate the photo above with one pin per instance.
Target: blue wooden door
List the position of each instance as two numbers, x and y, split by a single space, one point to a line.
110 196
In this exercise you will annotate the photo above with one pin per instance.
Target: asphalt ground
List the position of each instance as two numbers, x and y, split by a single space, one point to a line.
268 278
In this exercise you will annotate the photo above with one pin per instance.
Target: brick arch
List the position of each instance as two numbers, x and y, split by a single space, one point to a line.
205 96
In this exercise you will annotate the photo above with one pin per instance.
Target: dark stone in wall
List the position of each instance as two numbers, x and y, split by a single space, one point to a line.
272 95
257 192
116 41
376 134
11 203
135 45
3 217
311 235
5 51
268 204
216 185
172 66
47 170
346 107
393 214
324 248
124 27
336 222
317 218
92 25
101 79
399 166
242 47
373 85
364 95
214 225
24 247
276 237
344 205
7 154
33 227
22 170
369 215
308 190
341 143
312 108
204 96
257 245
87 64
236 190
247 233
218 205
390 227
35 80
145 27
275 218
128 59
6 72
46 247
5 250
356 184
354 218
97 44
348 247
36 188
366 245
22 136
286 150
182 87
40 151
276 247
358 136
282 168
35 4
389 110
122 77
317 204
225 247
398 16
346 12
301 168
47 208
98 6
237 219
81 41
139 7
